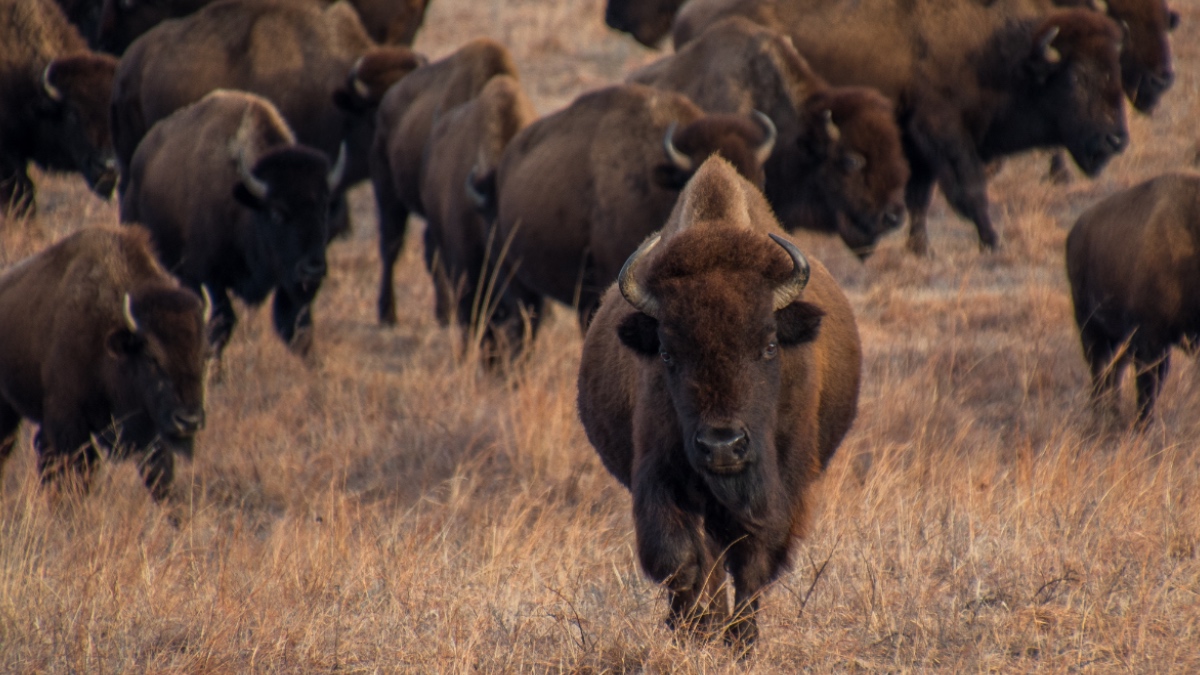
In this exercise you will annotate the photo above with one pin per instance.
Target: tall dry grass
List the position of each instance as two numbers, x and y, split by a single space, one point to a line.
394 509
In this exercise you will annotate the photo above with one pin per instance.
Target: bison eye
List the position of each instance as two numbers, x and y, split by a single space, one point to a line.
666 357
771 350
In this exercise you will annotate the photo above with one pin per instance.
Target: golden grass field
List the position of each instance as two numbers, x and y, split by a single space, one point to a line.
394 509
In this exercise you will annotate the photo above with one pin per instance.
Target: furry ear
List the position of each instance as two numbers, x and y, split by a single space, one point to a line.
798 323
123 342
246 198
639 332
670 177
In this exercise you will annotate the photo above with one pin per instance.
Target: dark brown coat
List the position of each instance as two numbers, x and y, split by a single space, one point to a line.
838 164
1133 261
95 331
973 82
580 189
234 204
53 103
648 21
717 390
406 118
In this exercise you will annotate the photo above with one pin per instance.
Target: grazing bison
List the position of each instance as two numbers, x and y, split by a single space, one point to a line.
838 165
461 155
53 103
305 60
1134 271
648 21
716 382
235 204
103 349
973 82
580 189
406 117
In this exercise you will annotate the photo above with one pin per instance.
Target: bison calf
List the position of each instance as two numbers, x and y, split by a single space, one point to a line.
101 347
235 204
1134 271
716 382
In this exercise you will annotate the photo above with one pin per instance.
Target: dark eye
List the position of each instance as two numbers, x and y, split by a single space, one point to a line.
666 357
771 350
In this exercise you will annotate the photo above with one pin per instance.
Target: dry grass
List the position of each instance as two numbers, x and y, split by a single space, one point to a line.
393 509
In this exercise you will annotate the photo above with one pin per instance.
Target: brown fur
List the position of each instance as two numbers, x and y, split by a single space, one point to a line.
69 362
406 117
648 21
713 273
1133 261
969 80
812 181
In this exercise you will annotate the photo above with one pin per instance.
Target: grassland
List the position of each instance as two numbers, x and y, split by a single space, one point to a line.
391 508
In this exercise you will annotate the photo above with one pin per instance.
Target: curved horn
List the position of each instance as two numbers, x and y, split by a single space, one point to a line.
787 292
334 177
628 282
680 160
51 90
831 129
127 310
478 199
1049 53
1100 6
254 185
207 310
763 151
360 87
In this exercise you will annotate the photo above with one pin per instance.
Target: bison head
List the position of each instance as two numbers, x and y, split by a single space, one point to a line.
648 21
1146 71
123 21
719 312
155 368
1075 63
72 110
743 143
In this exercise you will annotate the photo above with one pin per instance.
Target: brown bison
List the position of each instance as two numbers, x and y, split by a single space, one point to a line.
580 189
235 204
648 21
311 63
1134 272
461 155
838 165
406 117
973 82
717 380
101 348
53 103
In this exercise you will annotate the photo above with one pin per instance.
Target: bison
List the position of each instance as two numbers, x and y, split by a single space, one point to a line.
104 350
580 189
463 150
717 380
406 117
1134 271
838 165
648 21
53 103
973 82
234 203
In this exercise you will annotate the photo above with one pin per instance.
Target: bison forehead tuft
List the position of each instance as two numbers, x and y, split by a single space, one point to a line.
721 252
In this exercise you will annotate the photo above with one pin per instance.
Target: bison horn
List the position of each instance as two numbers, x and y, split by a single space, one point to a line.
334 178
1049 53
763 151
628 282
360 87
51 90
254 185
1100 6
680 160
207 310
127 310
831 129
787 292
478 199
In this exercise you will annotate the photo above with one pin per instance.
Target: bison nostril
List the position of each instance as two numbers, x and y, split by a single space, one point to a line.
720 442
893 216
312 269
187 421
1117 141
1162 80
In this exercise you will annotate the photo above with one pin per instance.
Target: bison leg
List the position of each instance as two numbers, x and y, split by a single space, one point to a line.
445 293
917 195
1106 370
157 469
10 421
220 326
754 563
1060 172
75 464
291 314
17 194
1149 383
393 223
959 172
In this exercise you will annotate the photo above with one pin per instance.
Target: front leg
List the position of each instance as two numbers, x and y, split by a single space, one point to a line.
17 194
65 452
157 469
755 561
954 159
291 312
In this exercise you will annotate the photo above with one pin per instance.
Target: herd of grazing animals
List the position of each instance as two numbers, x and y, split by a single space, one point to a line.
720 366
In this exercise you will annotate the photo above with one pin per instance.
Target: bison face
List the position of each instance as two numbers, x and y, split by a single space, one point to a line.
72 108
744 143
648 21
156 369
1146 71
718 321
1075 62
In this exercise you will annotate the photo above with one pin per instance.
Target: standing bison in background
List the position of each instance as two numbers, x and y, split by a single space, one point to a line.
580 189
972 82
1134 270
235 204
717 380
102 348
53 103
838 165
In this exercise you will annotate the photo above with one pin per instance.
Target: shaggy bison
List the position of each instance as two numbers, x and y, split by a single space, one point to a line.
716 382
648 21
104 350
1134 271
53 103
235 204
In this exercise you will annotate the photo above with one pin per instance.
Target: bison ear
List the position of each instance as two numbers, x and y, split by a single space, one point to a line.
639 332
123 342
670 177
247 198
798 323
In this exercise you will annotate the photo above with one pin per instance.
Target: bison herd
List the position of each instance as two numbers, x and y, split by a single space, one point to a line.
720 367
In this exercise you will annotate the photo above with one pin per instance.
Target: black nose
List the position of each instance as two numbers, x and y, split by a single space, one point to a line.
722 445
1161 81
1117 140
311 270
893 216
187 421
